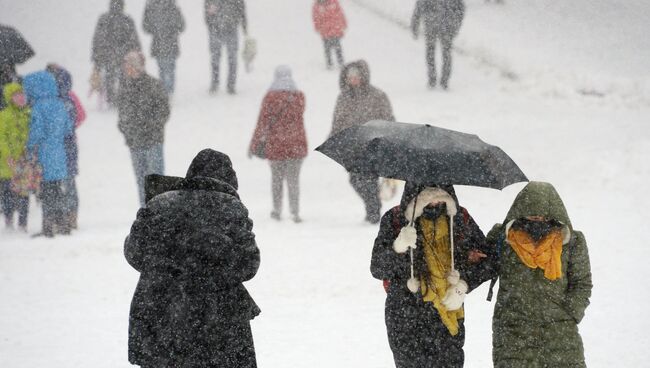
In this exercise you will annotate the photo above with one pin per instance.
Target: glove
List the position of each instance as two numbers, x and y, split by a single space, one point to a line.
455 296
453 277
406 239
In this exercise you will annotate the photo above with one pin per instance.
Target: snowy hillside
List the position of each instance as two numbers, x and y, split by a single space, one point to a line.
562 87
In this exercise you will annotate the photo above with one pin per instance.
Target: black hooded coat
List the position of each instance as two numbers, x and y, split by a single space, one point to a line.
194 247
115 36
164 21
416 334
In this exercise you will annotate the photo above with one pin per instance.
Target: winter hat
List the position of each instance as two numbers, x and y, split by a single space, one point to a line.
117 5
213 164
283 81
407 237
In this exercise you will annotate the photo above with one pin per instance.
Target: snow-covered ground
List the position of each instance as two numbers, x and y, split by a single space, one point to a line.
517 83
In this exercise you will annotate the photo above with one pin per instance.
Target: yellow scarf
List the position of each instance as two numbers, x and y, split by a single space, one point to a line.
438 258
545 254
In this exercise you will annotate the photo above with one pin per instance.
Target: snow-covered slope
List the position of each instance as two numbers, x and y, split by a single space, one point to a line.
64 302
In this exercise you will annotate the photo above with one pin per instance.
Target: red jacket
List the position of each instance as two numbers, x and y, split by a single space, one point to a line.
329 20
281 124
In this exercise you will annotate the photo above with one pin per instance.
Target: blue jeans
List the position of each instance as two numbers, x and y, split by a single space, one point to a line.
231 41
167 72
147 161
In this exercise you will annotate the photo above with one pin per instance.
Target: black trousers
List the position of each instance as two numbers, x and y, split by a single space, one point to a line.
333 44
446 43
368 189
53 203
12 202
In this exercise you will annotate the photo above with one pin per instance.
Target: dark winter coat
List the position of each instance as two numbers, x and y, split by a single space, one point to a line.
193 247
164 21
143 106
358 105
281 126
535 319
115 36
442 18
49 125
417 336
224 16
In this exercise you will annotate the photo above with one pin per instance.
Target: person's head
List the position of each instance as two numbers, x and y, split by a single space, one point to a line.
213 164
282 79
117 5
14 95
134 65
39 85
353 77
62 76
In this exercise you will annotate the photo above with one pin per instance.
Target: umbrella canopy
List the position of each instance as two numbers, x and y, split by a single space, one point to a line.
422 154
13 47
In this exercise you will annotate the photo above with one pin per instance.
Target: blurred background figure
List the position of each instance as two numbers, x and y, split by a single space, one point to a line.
115 36
49 126
143 109
280 137
358 103
442 20
164 21
223 18
13 50
77 114
329 22
14 128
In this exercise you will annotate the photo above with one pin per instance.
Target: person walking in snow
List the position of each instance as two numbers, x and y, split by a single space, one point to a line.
164 21
330 23
544 283
14 129
78 115
49 126
442 20
143 106
429 252
223 18
280 137
115 36
358 103
194 247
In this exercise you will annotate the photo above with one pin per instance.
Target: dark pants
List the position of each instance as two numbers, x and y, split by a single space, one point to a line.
167 72
419 339
217 42
333 44
368 189
288 170
71 197
54 212
446 43
112 76
12 202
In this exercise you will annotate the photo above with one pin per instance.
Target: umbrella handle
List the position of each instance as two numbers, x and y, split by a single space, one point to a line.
412 272
451 241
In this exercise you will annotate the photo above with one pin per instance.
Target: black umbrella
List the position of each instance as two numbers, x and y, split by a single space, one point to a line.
13 47
422 154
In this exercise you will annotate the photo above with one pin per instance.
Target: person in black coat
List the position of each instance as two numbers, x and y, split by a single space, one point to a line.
442 21
164 21
194 247
115 36
424 313
143 110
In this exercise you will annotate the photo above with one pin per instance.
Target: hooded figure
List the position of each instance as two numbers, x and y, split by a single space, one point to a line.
194 247
115 36
49 125
164 21
280 137
14 128
545 283
426 273
358 103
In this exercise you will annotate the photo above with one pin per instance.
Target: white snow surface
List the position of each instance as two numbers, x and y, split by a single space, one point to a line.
560 86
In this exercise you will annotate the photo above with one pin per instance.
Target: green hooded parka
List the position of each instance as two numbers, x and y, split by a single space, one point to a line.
14 128
535 322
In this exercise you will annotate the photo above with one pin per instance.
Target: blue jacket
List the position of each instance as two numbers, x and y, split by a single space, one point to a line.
50 124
